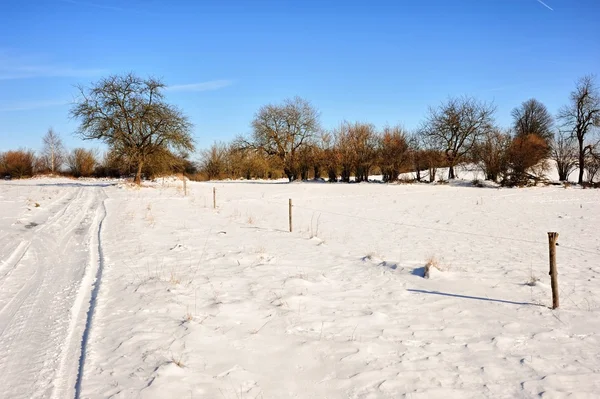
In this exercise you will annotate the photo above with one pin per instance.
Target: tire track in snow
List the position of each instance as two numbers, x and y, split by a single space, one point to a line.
92 305
41 318
13 259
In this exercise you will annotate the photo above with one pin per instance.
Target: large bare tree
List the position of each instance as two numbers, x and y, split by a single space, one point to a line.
456 126
53 153
564 153
130 115
581 116
532 117
280 130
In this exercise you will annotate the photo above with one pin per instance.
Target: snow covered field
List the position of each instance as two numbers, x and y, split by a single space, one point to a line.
226 303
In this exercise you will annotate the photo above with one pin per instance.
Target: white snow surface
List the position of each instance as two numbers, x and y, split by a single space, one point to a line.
196 302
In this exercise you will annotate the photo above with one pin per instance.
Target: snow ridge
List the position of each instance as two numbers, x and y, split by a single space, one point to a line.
92 307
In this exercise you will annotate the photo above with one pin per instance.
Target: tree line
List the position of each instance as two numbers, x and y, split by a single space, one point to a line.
287 140
147 136
55 159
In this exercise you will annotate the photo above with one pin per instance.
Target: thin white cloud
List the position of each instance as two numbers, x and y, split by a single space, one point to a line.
20 67
30 105
46 71
545 5
202 86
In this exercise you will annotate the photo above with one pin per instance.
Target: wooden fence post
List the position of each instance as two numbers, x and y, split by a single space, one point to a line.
184 184
290 212
552 239
214 198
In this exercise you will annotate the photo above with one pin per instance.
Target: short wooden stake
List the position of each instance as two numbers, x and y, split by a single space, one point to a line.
290 212
214 198
184 184
552 239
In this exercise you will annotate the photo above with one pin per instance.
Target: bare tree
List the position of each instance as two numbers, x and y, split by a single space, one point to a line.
356 146
345 153
306 160
53 153
532 117
581 116
322 156
432 159
491 154
417 157
455 127
394 152
281 130
329 155
363 142
592 167
564 152
130 115
82 162
213 161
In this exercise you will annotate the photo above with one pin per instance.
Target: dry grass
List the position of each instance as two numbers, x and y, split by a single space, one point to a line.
174 279
260 250
314 227
533 280
177 361
188 317
432 263
149 215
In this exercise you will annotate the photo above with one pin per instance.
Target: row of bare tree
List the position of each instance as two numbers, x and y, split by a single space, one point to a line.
287 139
146 135
55 159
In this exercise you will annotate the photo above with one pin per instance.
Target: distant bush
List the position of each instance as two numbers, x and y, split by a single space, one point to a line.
526 160
82 162
17 164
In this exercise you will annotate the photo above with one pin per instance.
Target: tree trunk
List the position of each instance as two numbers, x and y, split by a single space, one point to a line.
317 172
331 172
138 175
562 172
289 174
451 174
581 162
432 173
304 173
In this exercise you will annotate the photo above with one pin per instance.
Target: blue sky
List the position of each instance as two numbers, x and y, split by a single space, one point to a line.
373 61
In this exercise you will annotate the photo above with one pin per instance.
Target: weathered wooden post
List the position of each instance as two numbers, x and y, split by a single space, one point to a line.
184 184
552 239
214 198
290 212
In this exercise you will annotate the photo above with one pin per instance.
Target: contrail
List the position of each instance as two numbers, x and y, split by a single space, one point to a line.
545 5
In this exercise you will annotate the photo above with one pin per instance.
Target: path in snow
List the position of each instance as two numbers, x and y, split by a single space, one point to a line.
47 265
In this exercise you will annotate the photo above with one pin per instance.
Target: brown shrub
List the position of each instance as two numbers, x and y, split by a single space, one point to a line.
17 164
82 162
526 159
